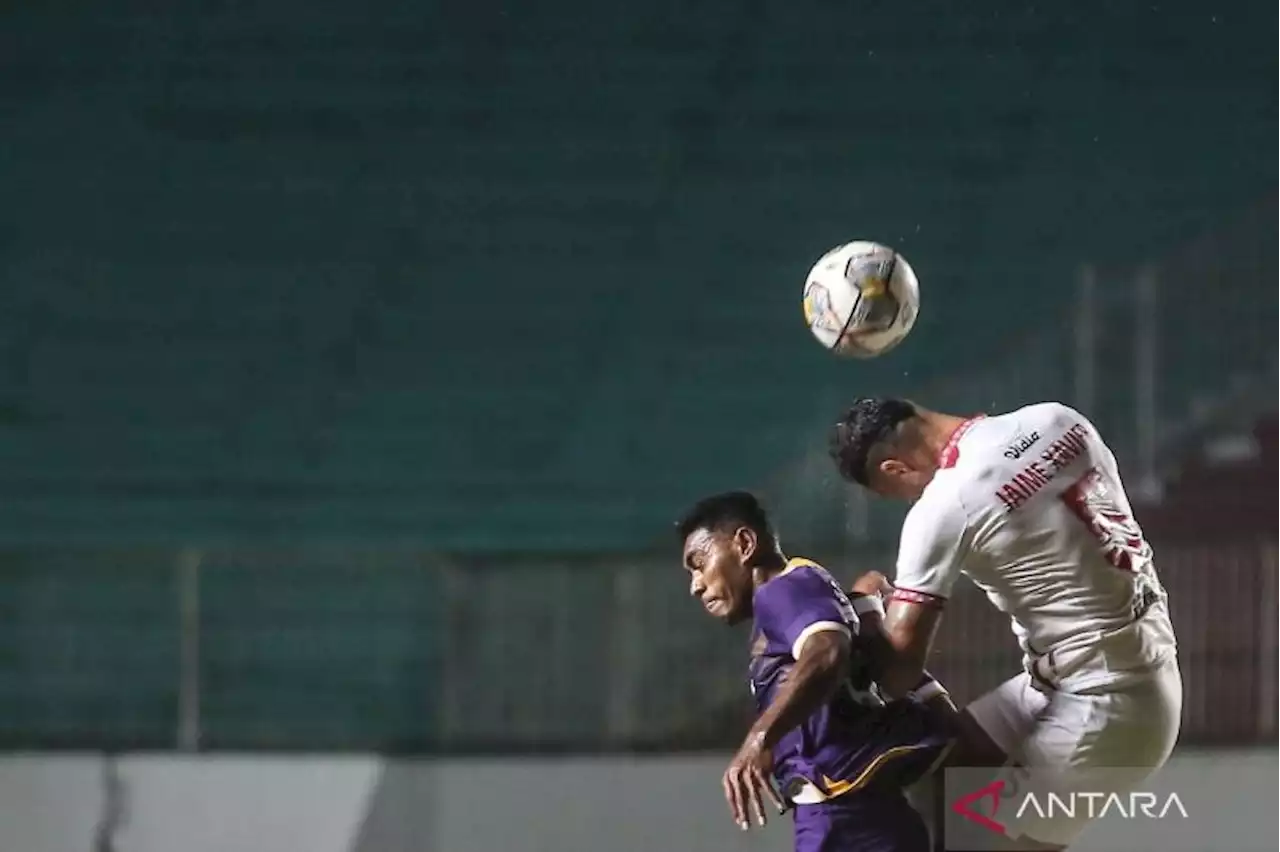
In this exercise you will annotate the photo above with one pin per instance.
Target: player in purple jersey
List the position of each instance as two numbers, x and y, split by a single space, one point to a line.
839 754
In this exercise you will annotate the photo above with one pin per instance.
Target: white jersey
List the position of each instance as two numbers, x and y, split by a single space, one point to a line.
1029 505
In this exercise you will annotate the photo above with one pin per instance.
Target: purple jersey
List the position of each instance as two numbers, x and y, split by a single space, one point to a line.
846 744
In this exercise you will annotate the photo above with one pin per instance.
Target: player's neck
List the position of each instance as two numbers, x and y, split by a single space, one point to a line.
938 431
768 568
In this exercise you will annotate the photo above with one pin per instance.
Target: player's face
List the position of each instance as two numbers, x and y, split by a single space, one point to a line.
718 573
904 476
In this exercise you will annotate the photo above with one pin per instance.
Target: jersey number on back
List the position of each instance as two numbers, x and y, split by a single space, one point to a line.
843 604
1090 499
858 687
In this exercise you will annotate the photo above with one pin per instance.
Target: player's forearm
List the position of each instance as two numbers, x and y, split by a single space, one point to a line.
812 681
906 666
894 668
883 661
900 675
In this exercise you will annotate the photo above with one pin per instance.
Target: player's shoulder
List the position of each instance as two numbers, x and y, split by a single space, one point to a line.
1047 415
805 572
943 501
801 578
1000 440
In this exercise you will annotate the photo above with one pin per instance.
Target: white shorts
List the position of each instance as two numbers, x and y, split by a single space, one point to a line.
1128 731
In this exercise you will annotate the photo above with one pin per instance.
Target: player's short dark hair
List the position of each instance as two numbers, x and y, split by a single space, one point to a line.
728 512
869 422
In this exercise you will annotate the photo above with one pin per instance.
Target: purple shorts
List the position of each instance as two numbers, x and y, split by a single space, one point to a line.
863 821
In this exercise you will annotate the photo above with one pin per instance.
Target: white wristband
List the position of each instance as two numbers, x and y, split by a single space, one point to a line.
928 692
864 604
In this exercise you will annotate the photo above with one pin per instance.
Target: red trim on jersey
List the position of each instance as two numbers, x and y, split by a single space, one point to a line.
916 597
951 451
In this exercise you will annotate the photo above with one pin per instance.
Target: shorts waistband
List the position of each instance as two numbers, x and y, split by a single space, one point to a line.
1050 670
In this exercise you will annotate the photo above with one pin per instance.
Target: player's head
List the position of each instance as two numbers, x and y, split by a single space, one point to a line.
884 445
726 538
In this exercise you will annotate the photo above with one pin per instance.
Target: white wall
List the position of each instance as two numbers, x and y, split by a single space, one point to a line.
225 804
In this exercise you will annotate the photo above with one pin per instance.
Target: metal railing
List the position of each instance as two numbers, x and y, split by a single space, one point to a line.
406 652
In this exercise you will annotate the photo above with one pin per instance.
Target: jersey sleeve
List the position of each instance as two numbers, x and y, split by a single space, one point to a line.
794 607
932 549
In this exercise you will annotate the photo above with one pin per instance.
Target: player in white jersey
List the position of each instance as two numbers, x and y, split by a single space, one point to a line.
1029 505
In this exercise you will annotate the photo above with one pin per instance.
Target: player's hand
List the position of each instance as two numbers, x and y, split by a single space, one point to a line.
872 583
747 782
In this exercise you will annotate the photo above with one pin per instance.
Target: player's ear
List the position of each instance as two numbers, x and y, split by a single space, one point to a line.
745 539
893 467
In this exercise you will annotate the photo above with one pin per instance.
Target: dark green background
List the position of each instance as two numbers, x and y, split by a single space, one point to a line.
491 278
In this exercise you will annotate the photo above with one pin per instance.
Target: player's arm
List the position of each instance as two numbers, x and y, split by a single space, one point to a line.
929 559
867 595
812 617
817 674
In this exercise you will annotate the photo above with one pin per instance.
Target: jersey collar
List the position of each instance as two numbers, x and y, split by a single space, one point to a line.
950 453
798 562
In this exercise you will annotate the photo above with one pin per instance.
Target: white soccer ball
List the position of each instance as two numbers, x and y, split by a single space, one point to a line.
861 299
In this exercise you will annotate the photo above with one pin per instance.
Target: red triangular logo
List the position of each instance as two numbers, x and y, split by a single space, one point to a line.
991 791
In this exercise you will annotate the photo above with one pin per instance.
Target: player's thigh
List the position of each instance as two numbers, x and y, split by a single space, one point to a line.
994 727
1132 730
1099 744
1138 726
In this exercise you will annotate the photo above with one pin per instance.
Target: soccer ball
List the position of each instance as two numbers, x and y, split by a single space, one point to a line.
861 299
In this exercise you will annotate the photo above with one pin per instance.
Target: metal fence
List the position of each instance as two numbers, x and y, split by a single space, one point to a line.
403 652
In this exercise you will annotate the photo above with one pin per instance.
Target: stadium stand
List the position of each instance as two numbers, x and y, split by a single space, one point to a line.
462 279
434 277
